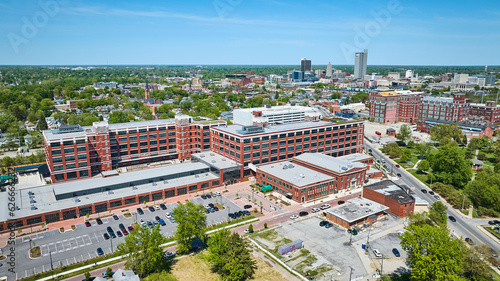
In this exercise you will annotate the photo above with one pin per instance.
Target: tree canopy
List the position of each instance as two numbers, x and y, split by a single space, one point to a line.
404 133
229 256
450 165
191 219
445 133
145 256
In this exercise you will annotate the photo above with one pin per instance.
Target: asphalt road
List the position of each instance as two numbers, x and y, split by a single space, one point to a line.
82 243
464 227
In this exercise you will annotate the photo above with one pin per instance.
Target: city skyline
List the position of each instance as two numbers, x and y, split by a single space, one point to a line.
224 32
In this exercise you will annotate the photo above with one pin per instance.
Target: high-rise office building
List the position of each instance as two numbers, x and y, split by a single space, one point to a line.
360 60
305 65
329 70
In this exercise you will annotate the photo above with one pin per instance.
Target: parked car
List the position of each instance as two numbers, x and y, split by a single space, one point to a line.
87 224
99 221
315 210
119 233
247 213
216 208
169 255
341 202
396 252
140 211
247 206
452 218
325 206
113 235
106 236
106 275
303 213
125 232
100 252
121 226
293 217
203 197
328 225
162 222
208 196
469 241
141 221
322 223
491 222
377 253
151 209
216 193
163 207
157 218
157 207
150 224
130 228
424 190
115 217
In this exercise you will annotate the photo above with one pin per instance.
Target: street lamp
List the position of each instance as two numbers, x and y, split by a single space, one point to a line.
350 274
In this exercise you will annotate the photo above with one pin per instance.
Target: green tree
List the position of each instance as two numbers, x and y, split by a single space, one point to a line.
250 228
118 116
445 133
87 275
145 256
423 165
484 190
404 133
497 167
437 213
451 166
229 256
393 150
191 221
433 254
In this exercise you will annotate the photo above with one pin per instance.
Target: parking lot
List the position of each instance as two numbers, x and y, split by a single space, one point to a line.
330 247
81 243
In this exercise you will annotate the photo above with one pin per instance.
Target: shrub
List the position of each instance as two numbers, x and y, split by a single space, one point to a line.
485 212
481 156
265 225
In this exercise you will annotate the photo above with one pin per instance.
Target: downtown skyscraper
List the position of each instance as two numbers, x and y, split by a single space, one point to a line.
360 61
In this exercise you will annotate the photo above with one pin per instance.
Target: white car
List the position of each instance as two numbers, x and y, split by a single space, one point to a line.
315 210
325 206
168 215
142 221
217 193
157 207
377 253
206 206
294 217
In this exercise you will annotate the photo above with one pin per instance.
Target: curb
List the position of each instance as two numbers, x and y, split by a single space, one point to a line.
491 236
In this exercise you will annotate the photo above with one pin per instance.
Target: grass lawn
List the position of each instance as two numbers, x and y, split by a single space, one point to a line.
195 267
425 178
35 252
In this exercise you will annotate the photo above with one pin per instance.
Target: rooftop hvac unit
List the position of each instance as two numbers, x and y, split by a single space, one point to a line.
302 175
202 155
223 159
213 161
285 167
33 207
165 181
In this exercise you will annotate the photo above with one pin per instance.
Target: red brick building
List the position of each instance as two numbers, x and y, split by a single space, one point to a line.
470 130
355 213
260 145
488 113
311 175
391 195
74 152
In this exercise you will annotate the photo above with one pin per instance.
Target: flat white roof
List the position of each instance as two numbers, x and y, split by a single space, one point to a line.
328 162
294 173
216 160
356 209
281 128
46 200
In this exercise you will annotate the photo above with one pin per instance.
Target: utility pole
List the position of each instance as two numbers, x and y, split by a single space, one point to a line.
51 265
350 274
382 266
111 239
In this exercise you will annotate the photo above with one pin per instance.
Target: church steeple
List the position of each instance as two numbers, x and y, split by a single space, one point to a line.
146 92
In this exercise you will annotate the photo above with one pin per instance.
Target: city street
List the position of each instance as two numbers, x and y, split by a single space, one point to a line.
464 226
82 243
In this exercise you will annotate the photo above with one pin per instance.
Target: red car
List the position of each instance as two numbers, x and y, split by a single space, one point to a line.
88 224
397 166
130 228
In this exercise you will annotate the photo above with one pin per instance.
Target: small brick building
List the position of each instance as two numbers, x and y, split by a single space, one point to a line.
391 195
355 212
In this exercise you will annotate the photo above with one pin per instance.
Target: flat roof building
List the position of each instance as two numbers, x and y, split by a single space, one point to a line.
357 212
311 175
392 195
271 115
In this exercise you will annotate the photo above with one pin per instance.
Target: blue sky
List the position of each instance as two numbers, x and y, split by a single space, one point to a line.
55 32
